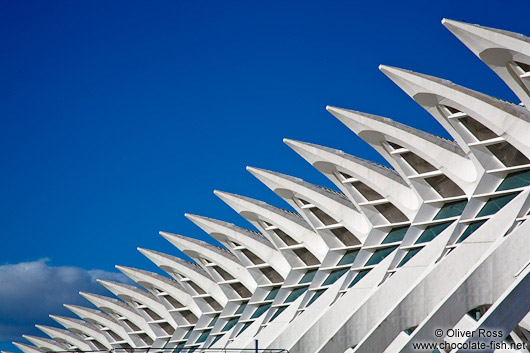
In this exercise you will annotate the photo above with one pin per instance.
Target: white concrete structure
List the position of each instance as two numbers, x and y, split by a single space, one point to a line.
398 257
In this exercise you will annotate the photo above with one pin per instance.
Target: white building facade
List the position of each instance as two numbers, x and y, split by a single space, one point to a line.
435 250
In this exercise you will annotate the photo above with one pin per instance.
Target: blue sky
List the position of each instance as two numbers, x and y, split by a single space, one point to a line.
120 116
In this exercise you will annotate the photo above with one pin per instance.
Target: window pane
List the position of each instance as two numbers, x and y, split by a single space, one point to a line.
417 163
203 336
315 296
306 257
245 326
323 216
451 209
278 312
308 277
359 276
368 193
379 255
408 256
229 324
431 232
348 258
515 180
477 129
240 309
334 276
295 294
494 204
260 310
395 235
272 293
345 236
507 154
470 229
444 186
391 213
285 237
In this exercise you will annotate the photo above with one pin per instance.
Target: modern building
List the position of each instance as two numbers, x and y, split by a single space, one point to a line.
433 250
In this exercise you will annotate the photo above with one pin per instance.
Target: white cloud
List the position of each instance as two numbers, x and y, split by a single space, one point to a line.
30 291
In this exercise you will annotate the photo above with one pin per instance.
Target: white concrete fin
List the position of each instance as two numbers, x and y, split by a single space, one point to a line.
384 180
46 344
255 242
289 222
223 258
504 119
502 51
194 272
86 328
333 203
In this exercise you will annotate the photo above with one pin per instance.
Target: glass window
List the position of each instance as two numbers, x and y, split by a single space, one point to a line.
278 312
260 310
368 193
470 229
217 338
295 294
245 326
515 180
348 258
253 258
334 276
408 256
379 255
444 186
391 213
203 336
178 349
431 232
477 129
231 323
494 204
240 309
214 320
285 237
306 257
241 290
395 235
394 145
271 274
315 296
308 276
272 293
345 236
359 276
451 209
323 216
507 154
419 164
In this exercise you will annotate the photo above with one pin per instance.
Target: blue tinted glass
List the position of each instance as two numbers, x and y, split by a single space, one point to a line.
409 256
451 209
334 276
470 229
260 310
431 232
359 276
494 204
379 255
295 294
395 235
515 180
308 277
315 296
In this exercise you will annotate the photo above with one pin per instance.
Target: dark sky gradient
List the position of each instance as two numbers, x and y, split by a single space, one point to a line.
120 116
